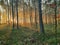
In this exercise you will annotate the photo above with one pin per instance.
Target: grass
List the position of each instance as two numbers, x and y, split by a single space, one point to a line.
26 36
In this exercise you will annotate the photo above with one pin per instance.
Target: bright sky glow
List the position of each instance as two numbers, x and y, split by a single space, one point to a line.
2 9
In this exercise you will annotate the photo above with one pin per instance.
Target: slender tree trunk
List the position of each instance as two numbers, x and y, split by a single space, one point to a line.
13 13
24 13
56 20
40 17
30 13
46 15
31 16
35 13
35 17
0 17
17 12
41 21
7 12
46 18
10 15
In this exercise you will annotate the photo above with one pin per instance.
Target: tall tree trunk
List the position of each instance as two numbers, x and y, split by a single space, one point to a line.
46 14
40 17
56 20
10 15
30 13
7 12
35 13
17 12
24 20
13 13
0 17
35 16
31 16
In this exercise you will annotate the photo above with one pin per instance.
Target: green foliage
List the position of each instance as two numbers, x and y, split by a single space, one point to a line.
25 36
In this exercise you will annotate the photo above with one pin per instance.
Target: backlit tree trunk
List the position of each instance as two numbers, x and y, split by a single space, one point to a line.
40 17
7 12
24 20
12 13
17 12
56 20
30 13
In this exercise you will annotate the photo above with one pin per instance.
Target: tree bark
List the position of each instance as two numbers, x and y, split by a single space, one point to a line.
40 17
24 20
55 20
13 13
17 12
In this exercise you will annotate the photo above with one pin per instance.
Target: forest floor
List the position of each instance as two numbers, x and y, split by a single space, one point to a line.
26 36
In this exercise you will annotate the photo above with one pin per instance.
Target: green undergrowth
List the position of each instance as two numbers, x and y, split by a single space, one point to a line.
26 36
